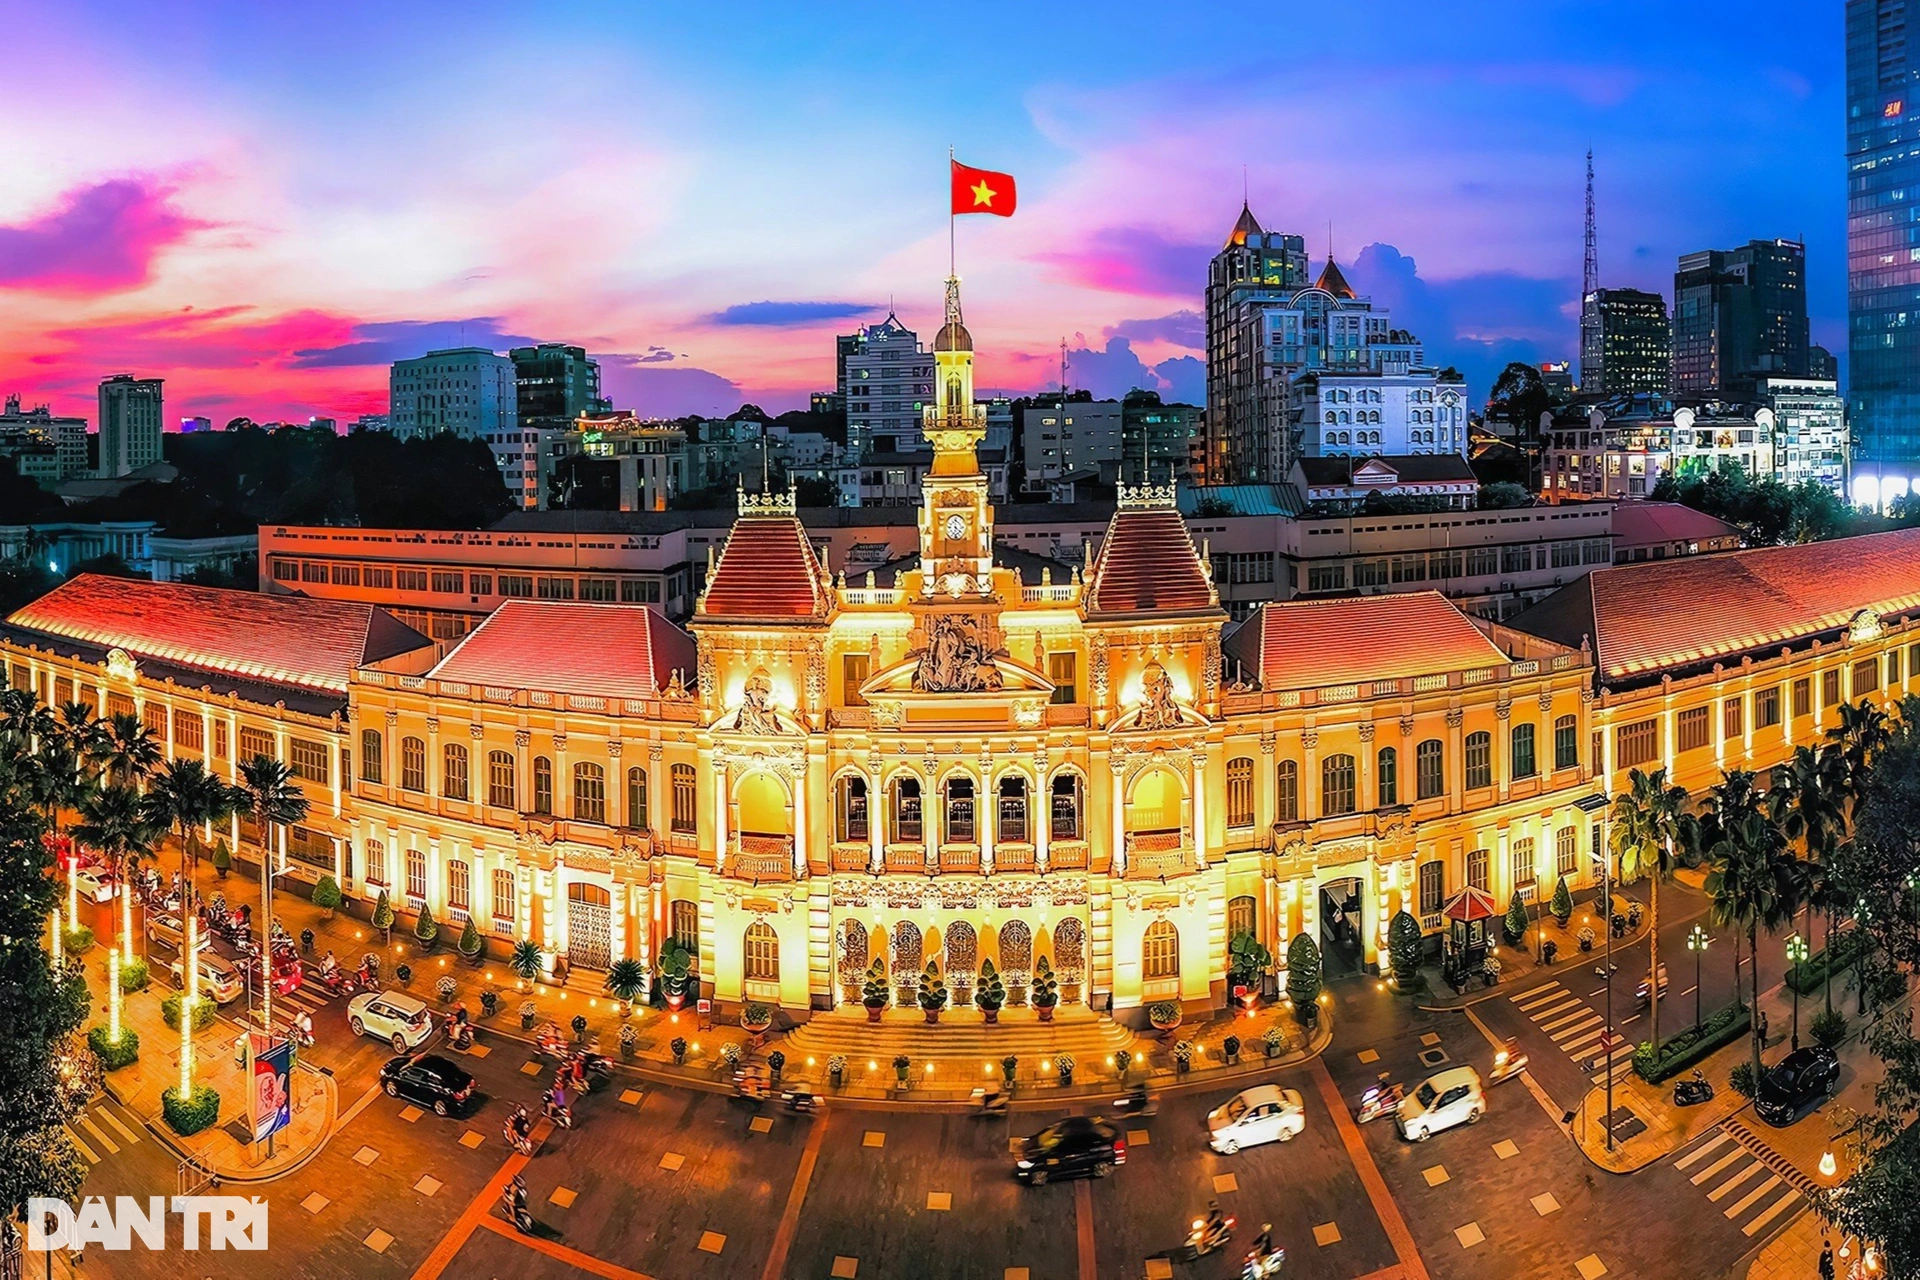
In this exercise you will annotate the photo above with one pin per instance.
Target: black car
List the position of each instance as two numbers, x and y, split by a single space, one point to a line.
1077 1147
428 1079
1797 1078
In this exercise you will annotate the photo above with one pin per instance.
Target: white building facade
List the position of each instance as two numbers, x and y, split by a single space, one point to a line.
471 392
1360 415
1810 440
130 418
1060 439
886 377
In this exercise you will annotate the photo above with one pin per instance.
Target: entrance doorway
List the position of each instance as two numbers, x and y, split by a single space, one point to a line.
1342 952
589 926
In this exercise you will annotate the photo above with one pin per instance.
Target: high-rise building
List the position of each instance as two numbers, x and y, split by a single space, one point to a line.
470 392
188 425
1809 432
1821 364
1883 235
886 382
130 417
1738 315
1626 343
554 384
68 436
1358 415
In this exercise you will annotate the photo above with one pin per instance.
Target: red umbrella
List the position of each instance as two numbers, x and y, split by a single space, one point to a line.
1471 904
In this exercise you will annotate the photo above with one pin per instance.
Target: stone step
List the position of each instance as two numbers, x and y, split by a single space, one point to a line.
966 1035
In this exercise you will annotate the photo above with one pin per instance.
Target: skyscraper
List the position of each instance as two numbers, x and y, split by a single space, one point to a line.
554 384
1626 343
1738 315
1883 236
130 416
886 381
1252 267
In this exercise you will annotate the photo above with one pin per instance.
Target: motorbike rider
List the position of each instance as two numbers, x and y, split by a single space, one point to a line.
513 1197
329 968
1263 1243
556 1102
577 1071
1216 1221
303 1028
1137 1095
519 1127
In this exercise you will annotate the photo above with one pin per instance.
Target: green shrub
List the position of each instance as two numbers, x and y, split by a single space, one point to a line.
1829 1027
1246 960
326 895
427 929
1514 927
1562 906
403 974
1688 1046
1836 958
1404 946
470 940
526 960
1044 993
675 963
933 988
188 1116
1303 974
382 912
1741 1078
134 975
113 1056
991 993
77 940
875 992
222 857
203 1011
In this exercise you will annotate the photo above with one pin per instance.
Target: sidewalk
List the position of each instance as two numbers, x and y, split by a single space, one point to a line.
1521 964
223 1148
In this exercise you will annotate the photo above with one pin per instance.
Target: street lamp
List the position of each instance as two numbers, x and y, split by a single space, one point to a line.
1594 807
1796 956
1697 943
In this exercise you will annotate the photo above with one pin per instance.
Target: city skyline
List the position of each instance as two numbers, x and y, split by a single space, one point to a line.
266 211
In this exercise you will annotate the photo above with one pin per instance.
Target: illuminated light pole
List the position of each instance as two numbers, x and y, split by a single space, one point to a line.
126 920
186 1008
1697 943
73 888
59 945
1796 956
113 997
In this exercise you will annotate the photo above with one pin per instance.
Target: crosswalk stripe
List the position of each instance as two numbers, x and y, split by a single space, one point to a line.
1579 1013
1745 1202
107 1115
1772 1212
1537 995
1725 1189
112 1147
1541 1015
84 1149
1580 1042
1581 1028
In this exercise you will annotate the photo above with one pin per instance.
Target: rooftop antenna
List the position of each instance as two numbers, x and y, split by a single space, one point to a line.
1590 269
1246 193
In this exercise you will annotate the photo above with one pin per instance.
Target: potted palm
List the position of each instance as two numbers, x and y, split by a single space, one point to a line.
526 962
991 993
626 982
933 991
876 991
1045 993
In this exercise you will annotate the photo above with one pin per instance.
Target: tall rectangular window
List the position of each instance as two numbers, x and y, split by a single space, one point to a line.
1636 744
1522 870
1387 776
1566 743
853 675
189 731
1566 852
1733 718
413 764
1523 766
454 771
1479 869
1693 729
500 779
370 760
1830 688
255 743
1240 792
1479 760
1866 676
416 874
1433 884
459 888
502 896
685 821
309 760
1429 760
1286 792
1802 697
1063 671
1766 708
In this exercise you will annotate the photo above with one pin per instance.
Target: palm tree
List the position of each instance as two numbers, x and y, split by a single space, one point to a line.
80 728
24 722
126 750
114 820
185 796
1755 882
1650 828
274 800
1808 802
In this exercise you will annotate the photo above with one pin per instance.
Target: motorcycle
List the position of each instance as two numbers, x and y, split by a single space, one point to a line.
1508 1061
1206 1237
549 1041
1136 1102
518 1139
599 1068
1380 1100
1263 1266
340 982
1692 1091
561 1116
460 1036
991 1104
513 1198
800 1101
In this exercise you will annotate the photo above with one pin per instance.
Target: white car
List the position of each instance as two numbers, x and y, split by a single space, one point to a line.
92 884
392 1016
1264 1113
1442 1101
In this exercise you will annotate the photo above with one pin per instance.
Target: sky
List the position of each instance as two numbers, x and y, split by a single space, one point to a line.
266 204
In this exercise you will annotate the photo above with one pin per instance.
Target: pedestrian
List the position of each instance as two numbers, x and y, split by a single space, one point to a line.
1826 1260
1763 1026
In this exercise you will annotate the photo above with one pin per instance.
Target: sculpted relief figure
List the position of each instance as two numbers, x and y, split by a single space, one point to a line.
955 660
1157 707
756 706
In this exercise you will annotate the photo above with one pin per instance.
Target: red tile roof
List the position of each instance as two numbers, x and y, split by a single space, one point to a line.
1657 614
282 640
766 572
1147 564
1304 644
595 650
1642 524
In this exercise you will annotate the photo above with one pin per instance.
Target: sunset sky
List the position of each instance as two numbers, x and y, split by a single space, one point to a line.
267 203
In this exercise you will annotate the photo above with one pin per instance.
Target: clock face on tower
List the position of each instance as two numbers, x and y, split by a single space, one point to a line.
956 527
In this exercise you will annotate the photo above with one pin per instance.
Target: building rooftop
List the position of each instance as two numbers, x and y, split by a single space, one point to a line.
599 650
1245 225
1639 524
1417 468
1334 281
766 572
274 640
1658 615
1147 564
1304 644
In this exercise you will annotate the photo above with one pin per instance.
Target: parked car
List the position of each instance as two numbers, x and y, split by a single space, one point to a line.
170 932
428 1079
1264 1113
1442 1101
1643 994
393 1016
1794 1081
1077 1147
92 883
220 978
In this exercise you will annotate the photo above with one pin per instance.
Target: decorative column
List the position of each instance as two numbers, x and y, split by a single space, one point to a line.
719 812
986 811
562 779
655 752
1042 814
1117 855
1504 733
1308 786
436 765
876 815
799 772
522 771
1367 795
1199 775
1264 812
1456 763
616 786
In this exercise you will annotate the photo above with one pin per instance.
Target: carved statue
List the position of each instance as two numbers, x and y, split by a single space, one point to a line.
1157 707
955 660
756 706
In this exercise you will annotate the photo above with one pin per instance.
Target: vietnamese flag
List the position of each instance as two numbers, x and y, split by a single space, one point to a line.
982 191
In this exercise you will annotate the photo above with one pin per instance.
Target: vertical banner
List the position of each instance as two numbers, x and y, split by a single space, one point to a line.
270 1099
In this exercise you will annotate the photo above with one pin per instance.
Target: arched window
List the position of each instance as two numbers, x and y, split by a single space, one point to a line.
760 953
761 802
500 779
903 810
850 808
1336 786
1477 869
502 897
637 798
1070 950
453 774
1286 791
377 863
680 776
1240 791
1523 765
683 923
1011 818
417 875
1016 952
1154 805
853 952
1387 776
459 889
413 764
1429 764
370 755
1330 418
959 811
542 785
1160 952
1479 760
589 792
963 951
1066 806
1241 916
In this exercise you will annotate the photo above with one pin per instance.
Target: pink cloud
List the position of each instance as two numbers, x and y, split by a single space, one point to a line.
1135 260
101 238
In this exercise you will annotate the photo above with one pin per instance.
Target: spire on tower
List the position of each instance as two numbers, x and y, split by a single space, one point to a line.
1590 270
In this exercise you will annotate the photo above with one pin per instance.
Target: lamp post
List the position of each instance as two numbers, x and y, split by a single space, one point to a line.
1796 956
1594 807
1697 943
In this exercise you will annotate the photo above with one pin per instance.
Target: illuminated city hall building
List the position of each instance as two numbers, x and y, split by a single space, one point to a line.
973 753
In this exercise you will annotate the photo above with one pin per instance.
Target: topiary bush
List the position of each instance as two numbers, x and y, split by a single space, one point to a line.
1303 975
383 915
1514 927
113 1056
203 1011
1562 906
471 943
326 896
222 859
1246 960
1404 947
933 988
188 1116
134 975
991 992
427 929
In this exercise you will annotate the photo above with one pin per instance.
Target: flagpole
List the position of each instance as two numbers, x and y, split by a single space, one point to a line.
950 258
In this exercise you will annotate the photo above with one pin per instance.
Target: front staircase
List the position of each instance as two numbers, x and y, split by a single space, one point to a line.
962 1040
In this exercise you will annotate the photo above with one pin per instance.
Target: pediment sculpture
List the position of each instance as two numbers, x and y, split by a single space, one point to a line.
955 659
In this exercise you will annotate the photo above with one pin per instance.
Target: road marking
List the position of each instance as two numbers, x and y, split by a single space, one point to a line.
1718 1165
1583 1040
1082 1232
1761 1221
1725 1189
1689 991
106 1113
1632 1017
796 1197
1745 1202
1580 1028
1383 1206
84 1149
553 1249
1581 1016
1567 1006
1526 1077
113 1148
1537 996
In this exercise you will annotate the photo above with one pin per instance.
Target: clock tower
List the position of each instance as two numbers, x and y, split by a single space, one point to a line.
956 519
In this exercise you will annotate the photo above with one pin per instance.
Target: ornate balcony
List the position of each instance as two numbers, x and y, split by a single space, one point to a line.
851 857
760 857
1154 854
960 857
1067 855
906 857
1013 857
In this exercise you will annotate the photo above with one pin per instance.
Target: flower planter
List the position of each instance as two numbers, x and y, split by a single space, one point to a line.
933 1015
1044 1011
1165 1016
874 1011
991 1015
837 1076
